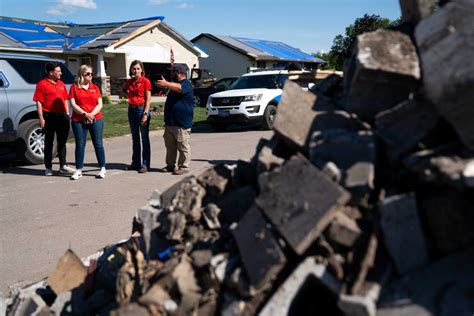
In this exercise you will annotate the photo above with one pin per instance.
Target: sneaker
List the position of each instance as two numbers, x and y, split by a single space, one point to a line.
48 172
76 175
101 174
181 171
143 169
67 169
167 169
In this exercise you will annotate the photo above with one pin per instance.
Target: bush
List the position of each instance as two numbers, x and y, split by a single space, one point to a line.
106 99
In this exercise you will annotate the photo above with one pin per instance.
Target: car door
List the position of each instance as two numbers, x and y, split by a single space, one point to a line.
7 132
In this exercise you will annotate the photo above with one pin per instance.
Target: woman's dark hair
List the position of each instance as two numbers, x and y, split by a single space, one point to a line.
51 66
136 62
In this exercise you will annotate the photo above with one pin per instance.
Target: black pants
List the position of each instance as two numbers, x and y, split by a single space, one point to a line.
59 124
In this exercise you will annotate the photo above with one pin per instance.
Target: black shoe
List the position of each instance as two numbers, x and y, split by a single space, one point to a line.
132 167
167 169
143 169
181 171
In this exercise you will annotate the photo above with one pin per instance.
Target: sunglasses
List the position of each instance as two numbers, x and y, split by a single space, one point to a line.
89 74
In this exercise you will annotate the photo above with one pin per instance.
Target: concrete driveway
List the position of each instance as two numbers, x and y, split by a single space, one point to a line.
42 216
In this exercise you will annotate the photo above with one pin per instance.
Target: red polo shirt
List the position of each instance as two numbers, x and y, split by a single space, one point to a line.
136 90
51 95
86 99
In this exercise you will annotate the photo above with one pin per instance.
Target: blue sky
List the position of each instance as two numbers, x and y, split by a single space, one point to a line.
310 25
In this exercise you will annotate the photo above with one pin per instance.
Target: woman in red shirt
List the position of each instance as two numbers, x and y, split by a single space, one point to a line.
86 101
138 89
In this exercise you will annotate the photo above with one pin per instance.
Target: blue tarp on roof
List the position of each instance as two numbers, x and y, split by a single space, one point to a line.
32 35
279 49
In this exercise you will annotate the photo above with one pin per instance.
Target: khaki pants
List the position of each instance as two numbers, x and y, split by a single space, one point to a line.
177 141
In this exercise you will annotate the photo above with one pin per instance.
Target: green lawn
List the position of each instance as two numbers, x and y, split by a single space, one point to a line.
116 120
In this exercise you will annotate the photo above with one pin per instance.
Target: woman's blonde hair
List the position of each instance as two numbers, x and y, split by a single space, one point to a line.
79 76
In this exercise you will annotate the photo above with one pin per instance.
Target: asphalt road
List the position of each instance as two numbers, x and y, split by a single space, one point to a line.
41 217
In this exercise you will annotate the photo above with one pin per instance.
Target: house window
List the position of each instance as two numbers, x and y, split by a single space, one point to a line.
86 61
261 64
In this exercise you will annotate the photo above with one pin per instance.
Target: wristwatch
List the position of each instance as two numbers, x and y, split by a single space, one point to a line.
145 113
84 113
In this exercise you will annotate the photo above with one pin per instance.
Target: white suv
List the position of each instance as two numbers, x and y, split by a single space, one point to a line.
20 133
250 99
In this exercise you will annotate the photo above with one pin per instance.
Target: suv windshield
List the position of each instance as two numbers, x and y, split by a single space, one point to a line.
259 81
32 71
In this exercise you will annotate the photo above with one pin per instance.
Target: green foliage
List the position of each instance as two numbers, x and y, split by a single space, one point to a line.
342 44
106 99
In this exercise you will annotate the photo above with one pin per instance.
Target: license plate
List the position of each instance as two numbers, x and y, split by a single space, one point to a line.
224 113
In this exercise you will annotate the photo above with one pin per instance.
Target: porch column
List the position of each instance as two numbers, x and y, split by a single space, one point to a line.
103 81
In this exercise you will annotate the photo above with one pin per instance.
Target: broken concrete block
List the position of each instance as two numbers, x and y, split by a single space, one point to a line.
384 69
187 286
267 161
468 174
332 171
445 44
310 289
261 255
357 305
188 199
201 258
403 234
219 264
147 217
413 11
296 114
69 274
156 295
173 225
330 86
442 288
215 179
300 201
403 126
343 230
354 155
130 309
450 220
211 216
155 199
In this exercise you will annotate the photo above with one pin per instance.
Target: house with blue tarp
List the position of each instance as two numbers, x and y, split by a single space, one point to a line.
231 56
108 47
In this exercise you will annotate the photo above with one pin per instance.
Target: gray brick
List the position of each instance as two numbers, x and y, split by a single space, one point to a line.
259 249
300 201
403 235
383 70
446 48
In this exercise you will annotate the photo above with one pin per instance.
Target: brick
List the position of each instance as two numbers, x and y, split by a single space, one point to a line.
445 43
403 126
343 230
261 255
403 234
308 278
300 201
354 155
267 160
215 179
296 113
413 11
382 72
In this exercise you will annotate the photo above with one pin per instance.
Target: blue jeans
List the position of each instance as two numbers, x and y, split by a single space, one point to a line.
135 114
80 134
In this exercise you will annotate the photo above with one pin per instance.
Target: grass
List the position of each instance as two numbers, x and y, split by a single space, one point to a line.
116 119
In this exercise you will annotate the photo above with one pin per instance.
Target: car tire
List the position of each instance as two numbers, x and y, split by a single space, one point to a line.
219 127
197 100
30 142
269 116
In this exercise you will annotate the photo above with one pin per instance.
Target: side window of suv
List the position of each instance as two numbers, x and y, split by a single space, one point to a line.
3 81
32 71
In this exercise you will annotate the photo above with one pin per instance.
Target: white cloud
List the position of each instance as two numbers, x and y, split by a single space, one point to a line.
184 5
70 6
157 2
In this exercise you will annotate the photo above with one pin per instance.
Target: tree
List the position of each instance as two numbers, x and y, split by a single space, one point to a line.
342 45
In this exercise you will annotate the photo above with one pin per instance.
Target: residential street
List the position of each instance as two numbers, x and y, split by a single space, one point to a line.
41 217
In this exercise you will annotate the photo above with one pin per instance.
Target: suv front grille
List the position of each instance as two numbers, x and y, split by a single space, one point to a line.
225 102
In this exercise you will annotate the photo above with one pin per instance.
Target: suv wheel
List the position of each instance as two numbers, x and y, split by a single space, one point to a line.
269 116
31 142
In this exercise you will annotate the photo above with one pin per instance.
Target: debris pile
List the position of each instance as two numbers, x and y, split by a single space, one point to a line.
360 204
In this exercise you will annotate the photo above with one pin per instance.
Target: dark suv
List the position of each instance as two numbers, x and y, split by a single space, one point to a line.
20 133
201 94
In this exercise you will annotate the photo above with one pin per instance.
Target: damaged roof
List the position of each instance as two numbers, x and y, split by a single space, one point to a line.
261 49
32 34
